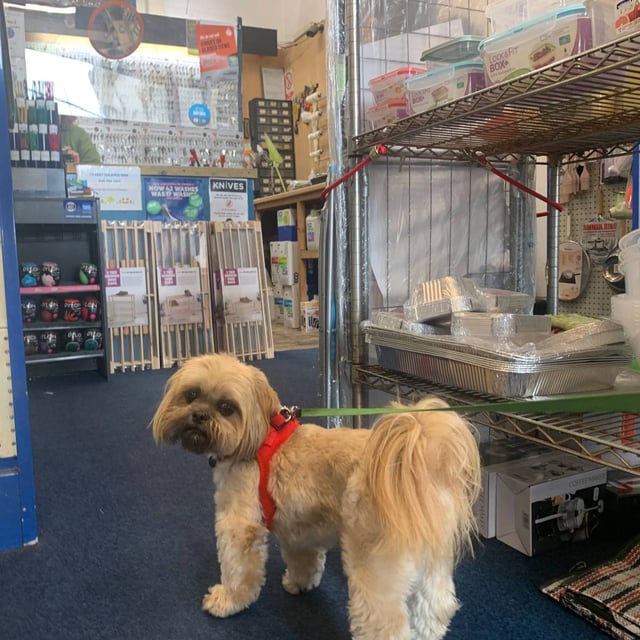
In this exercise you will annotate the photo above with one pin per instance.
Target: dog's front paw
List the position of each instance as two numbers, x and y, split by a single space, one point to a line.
296 587
219 602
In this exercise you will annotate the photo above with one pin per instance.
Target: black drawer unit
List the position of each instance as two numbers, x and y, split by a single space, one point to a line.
60 270
275 118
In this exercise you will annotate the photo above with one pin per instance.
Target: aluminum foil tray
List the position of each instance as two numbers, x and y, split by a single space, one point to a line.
594 334
504 301
439 298
387 318
592 370
501 325
492 353
394 319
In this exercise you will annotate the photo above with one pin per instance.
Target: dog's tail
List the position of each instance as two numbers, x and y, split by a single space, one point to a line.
423 473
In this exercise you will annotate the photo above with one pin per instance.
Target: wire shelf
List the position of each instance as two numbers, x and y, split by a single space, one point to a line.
588 103
611 439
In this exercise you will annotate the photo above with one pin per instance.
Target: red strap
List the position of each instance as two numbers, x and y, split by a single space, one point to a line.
279 432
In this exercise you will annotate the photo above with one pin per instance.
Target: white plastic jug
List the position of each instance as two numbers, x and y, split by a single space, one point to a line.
312 225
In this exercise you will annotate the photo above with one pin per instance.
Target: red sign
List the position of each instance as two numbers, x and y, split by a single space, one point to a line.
215 44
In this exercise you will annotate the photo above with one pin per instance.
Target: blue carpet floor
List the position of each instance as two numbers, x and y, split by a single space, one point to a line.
126 546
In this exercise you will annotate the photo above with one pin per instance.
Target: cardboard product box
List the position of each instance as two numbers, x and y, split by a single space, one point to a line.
495 456
544 502
287 229
274 250
291 305
310 315
284 262
278 304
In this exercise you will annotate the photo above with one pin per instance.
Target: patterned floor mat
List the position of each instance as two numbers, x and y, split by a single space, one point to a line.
608 594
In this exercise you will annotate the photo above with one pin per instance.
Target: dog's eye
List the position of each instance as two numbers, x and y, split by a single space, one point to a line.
226 408
192 394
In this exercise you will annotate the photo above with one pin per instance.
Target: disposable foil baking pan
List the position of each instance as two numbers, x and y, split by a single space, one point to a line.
503 301
394 319
594 334
435 299
500 325
433 359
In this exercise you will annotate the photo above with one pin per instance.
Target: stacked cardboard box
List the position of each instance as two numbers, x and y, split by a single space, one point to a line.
284 276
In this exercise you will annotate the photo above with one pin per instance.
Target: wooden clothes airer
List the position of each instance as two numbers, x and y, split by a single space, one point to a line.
238 245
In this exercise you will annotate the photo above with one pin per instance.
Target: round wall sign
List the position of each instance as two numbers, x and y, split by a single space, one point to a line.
115 29
199 114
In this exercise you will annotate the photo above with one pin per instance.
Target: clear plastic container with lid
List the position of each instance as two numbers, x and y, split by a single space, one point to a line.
390 86
536 44
506 14
430 89
387 113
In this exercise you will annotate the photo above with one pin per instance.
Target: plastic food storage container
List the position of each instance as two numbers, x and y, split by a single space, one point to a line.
390 86
503 15
612 19
387 113
536 44
441 85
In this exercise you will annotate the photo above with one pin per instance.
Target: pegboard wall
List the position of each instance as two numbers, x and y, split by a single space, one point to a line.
582 208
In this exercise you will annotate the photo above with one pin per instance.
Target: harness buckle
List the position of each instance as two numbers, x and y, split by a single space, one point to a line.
290 413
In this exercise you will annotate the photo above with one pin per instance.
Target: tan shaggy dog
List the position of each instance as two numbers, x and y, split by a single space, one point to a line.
396 497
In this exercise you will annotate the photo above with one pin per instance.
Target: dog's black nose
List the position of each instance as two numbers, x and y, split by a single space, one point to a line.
199 417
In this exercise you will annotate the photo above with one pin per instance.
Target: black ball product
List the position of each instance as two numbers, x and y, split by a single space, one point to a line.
29 310
48 342
49 309
71 309
50 274
90 309
30 344
92 339
29 274
72 340
88 273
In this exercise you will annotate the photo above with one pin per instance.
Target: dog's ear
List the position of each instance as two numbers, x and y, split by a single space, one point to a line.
266 398
262 404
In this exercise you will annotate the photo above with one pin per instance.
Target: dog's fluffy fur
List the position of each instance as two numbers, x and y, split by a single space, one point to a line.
396 497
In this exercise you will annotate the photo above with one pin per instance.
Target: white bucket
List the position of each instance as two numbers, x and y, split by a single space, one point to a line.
631 239
630 266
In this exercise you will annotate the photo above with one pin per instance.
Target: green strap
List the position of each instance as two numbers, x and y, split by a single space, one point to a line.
626 402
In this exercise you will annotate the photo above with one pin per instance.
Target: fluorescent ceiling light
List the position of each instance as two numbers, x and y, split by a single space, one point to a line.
41 7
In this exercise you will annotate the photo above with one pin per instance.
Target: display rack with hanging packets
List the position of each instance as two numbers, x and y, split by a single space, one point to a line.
34 136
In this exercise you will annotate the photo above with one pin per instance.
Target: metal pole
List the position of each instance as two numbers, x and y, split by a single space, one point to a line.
635 193
553 233
357 223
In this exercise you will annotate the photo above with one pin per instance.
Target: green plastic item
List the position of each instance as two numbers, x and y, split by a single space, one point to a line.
452 51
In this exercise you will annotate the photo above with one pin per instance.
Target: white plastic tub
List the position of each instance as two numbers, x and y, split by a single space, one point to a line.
446 83
536 44
390 86
630 266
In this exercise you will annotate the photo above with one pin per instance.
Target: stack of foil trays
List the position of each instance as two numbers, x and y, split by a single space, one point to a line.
535 369
438 299
516 326
455 333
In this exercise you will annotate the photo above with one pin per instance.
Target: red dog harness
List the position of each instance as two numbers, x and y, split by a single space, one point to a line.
282 425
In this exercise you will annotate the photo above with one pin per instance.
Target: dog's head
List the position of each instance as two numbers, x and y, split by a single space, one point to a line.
217 405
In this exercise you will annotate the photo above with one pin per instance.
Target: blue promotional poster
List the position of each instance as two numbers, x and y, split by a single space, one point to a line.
169 199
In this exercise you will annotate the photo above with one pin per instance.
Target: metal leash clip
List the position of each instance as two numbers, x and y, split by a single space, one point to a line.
290 413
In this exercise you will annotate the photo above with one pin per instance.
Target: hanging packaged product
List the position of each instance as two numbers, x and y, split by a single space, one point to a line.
599 238
574 269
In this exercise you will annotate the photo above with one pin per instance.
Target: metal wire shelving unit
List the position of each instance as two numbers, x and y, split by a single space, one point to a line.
583 107
610 438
